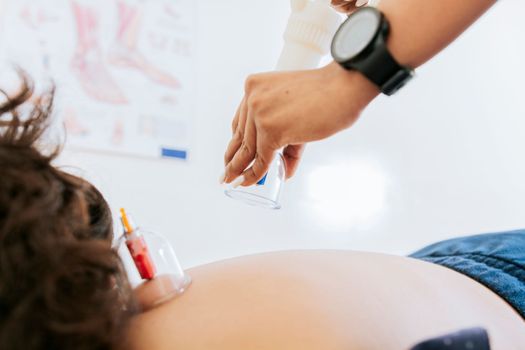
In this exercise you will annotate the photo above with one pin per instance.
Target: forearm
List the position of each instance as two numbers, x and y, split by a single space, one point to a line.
422 28
290 108
419 30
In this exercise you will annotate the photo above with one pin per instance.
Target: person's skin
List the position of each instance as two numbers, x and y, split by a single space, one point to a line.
290 109
330 300
327 300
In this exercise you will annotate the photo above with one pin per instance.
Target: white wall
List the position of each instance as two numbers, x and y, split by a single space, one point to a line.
444 157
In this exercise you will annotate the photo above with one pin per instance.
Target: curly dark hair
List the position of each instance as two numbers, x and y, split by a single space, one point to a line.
62 286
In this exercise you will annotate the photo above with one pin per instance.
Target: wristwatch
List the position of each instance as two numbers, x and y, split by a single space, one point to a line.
360 44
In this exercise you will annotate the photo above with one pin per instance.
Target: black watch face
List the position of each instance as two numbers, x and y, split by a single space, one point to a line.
355 34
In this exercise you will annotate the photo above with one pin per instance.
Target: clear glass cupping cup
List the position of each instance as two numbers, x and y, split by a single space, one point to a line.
267 192
167 265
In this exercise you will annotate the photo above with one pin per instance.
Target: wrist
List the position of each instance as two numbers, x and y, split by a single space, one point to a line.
352 89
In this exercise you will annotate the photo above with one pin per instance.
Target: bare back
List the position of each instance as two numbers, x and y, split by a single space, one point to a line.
331 300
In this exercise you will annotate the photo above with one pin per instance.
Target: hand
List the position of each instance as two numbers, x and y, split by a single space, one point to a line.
348 6
289 109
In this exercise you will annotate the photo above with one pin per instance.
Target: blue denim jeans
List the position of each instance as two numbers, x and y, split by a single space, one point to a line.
496 260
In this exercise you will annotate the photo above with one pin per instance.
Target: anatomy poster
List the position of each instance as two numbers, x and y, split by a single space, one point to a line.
123 69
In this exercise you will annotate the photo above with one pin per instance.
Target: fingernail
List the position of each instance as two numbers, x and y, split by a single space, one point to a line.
238 181
360 3
222 178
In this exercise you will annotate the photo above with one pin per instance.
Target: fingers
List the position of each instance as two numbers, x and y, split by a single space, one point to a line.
344 5
244 155
292 155
348 6
357 3
263 159
238 134
235 121
360 3
336 3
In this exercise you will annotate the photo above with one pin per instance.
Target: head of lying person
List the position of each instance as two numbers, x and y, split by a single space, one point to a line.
61 284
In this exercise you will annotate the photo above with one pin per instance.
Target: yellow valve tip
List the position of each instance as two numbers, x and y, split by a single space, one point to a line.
125 221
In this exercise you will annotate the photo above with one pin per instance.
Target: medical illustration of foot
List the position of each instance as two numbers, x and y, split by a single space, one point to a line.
87 63
125 52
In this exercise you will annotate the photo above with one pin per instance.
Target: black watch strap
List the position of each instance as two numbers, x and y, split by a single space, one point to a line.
382 69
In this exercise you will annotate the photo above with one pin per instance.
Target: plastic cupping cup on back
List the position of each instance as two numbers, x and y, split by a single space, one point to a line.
170 279
311 27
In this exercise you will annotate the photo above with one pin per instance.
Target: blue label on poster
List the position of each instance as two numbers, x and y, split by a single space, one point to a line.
174 153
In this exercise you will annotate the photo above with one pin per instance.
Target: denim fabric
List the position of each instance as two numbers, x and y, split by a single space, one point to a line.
496 260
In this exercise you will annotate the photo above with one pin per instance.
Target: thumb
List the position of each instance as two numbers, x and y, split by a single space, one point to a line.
292 155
